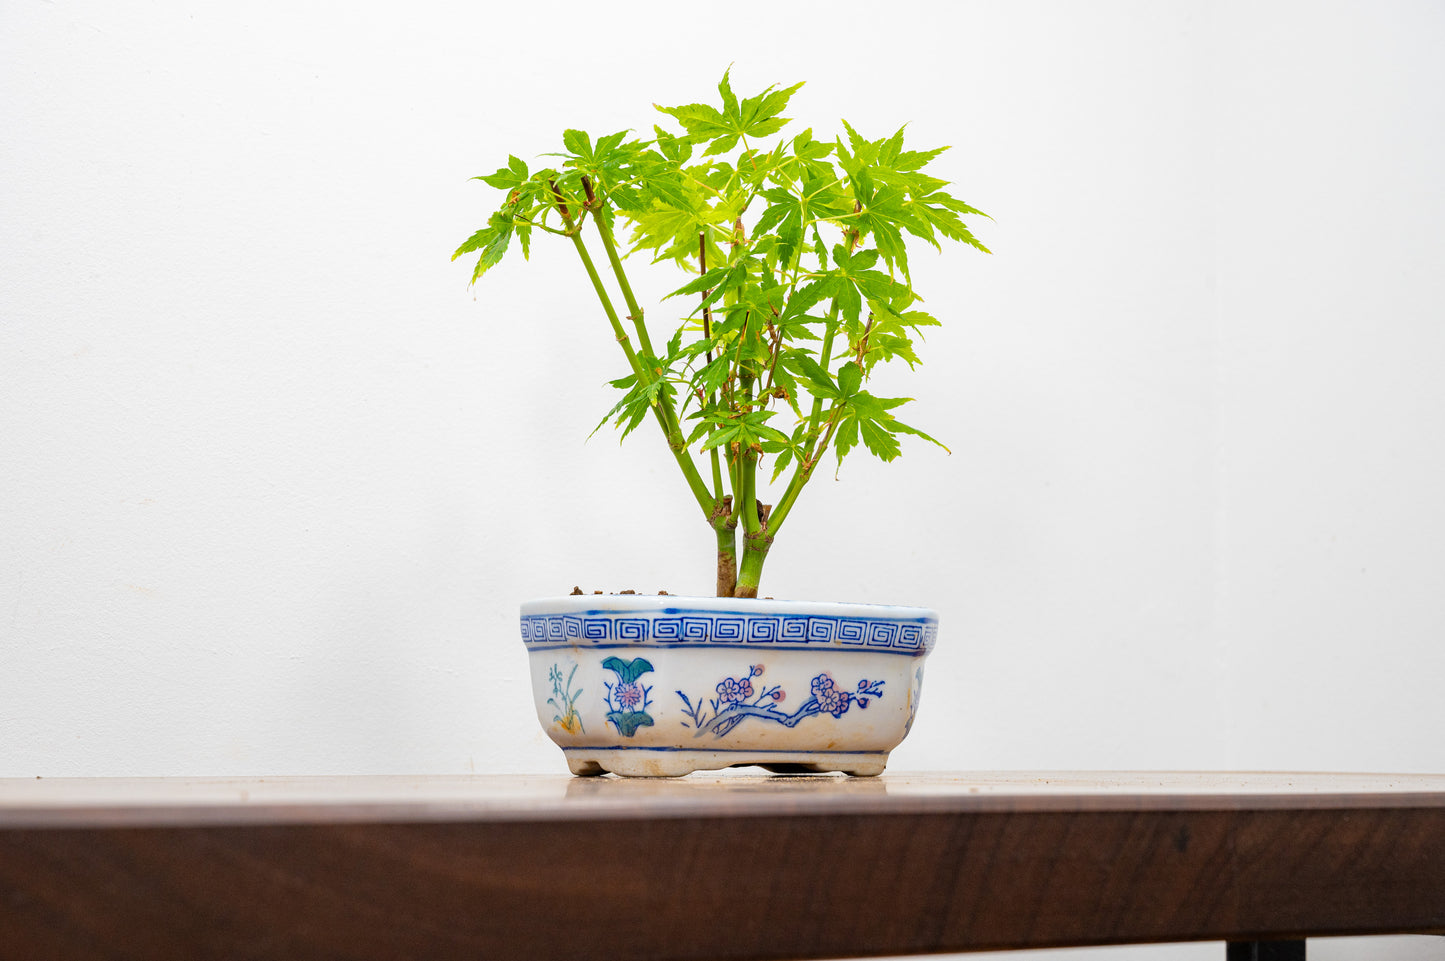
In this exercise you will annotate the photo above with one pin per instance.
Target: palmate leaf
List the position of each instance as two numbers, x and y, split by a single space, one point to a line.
780 463
811 373
885 347
890 245
783 206
784 379
763 298
903 428
698 431
665 189
721 436
755 117
508 177
890 318
629 384
711 279
634 405
675 149
491 240
754 424
867 418
476 241
764 119
711 376
701 121
880 441
845 437
862 152
719 281
808 296
609 162
938 209
730 110
578 142
661 226
606 145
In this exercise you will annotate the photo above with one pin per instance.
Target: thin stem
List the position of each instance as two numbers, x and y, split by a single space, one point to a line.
748 509
662 407
539 225
801 476
633 360
757 538
863 341
610 245
707 335
825 357
777 339
716 474
811 453
706 307
735 481
750 572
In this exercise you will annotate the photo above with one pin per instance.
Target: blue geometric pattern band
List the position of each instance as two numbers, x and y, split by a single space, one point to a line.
677 628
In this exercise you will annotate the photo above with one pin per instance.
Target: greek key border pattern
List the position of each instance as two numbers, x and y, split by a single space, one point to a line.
711 629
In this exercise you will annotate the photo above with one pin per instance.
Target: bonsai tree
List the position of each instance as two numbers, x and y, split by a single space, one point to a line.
800 251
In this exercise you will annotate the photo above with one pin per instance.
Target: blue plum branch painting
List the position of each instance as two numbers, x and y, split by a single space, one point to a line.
738 699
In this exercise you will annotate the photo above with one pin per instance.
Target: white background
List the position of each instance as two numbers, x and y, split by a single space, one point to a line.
274 479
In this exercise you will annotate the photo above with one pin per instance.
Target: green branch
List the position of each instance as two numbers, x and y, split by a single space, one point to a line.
812 451
610 245
661 406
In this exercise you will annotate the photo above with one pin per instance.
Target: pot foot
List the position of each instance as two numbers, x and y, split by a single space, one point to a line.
649 762
855 769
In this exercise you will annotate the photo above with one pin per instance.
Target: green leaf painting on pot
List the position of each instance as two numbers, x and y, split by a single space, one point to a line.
628 698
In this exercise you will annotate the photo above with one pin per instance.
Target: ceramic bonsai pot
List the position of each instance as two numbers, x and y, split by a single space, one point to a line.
660 686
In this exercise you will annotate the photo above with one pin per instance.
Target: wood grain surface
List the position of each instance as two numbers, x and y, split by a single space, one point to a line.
708 868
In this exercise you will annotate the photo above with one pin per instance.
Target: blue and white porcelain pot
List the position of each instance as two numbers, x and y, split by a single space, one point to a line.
660 686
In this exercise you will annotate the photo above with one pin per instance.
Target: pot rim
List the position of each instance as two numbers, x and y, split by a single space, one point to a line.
669 604
711 623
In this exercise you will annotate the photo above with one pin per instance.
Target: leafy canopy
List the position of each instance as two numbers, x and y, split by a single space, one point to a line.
799 248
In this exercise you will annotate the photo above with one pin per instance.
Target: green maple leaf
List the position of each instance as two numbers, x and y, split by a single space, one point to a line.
755 117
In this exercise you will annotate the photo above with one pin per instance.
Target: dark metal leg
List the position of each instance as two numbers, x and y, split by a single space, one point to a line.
1265 951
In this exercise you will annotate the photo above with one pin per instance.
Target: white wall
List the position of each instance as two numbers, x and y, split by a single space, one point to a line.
1330 471
275 480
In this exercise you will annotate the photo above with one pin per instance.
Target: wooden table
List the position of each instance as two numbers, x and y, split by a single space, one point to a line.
708 867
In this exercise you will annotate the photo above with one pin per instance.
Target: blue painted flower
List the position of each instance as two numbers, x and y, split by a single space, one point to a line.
829 698
733 690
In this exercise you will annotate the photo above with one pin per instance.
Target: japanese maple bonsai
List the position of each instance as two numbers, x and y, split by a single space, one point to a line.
802 286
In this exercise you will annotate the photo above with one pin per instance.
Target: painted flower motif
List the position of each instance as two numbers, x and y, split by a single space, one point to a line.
732 690
829 698
628 694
